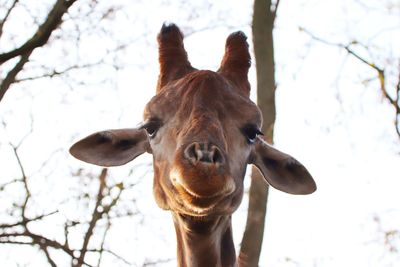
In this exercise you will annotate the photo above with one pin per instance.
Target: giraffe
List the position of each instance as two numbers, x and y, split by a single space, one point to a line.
202 130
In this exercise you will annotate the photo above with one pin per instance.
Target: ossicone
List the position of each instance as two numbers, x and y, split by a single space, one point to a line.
237 61
173 58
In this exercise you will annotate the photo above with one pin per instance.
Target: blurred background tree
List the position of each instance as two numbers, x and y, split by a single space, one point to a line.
264 15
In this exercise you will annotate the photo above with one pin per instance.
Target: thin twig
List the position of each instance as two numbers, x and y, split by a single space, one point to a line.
3 186
275 10
111 253
151 263
103 240
56 73
46 252
25 222
6 16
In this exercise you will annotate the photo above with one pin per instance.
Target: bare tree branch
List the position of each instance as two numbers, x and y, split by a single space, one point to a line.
36 239
99 211
20 229
95 217
24 181
40 38
10 78
43 33
381 75
397 106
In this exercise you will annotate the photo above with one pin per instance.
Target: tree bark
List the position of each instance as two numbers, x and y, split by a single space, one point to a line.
263 23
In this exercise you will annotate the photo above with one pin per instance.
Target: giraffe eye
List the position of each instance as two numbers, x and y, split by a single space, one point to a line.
251 132
151 127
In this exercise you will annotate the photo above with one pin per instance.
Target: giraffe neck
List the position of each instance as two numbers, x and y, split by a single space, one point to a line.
204 242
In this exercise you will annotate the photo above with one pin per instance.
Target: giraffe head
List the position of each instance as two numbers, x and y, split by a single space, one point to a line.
202 130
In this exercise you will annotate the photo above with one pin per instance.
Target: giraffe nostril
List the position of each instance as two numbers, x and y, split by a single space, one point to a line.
191 152
216 155
202 152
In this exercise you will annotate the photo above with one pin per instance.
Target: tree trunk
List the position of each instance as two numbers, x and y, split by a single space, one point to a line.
263 24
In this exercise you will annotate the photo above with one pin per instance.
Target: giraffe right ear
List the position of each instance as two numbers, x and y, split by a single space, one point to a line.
111 147
174 62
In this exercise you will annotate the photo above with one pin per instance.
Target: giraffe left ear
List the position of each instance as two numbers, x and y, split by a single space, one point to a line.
281 170
237 61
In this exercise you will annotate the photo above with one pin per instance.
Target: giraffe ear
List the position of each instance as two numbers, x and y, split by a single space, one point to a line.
111 147
281 170
173 59
236 61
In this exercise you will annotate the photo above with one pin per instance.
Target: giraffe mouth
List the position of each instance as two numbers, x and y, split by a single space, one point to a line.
200 184
195 204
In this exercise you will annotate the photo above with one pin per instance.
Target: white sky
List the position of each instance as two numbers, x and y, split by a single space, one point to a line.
338 127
